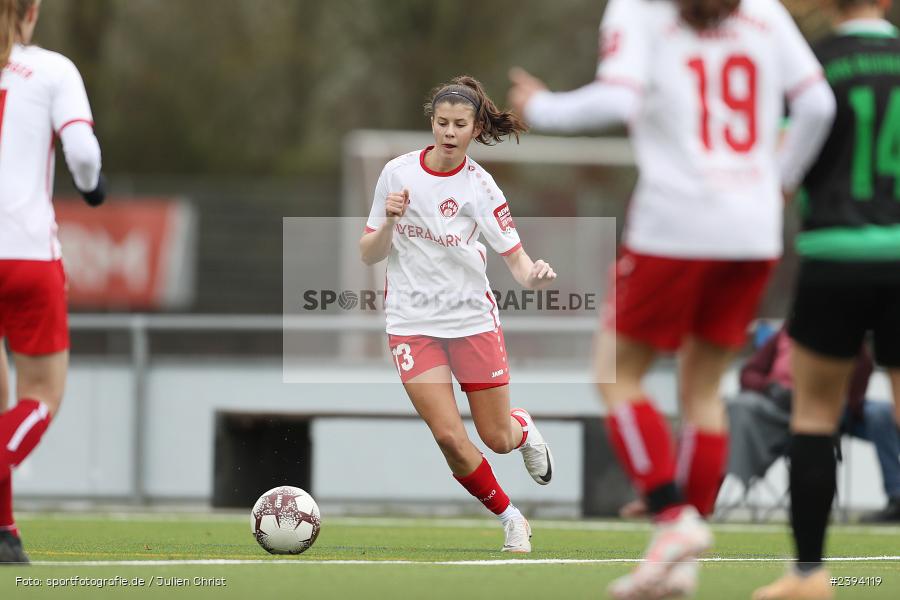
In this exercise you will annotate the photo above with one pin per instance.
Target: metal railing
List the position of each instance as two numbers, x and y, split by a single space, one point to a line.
140 326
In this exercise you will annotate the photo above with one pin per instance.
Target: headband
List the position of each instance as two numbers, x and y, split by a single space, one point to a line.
459 91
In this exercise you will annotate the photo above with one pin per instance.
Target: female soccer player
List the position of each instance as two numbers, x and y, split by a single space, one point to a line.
701 84
42 97
849 278
430 209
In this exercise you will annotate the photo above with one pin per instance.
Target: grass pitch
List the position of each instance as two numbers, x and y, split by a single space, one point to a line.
216 557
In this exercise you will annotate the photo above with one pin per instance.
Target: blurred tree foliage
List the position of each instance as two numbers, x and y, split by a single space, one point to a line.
269 87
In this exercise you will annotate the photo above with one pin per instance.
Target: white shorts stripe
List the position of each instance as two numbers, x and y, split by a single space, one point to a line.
36 416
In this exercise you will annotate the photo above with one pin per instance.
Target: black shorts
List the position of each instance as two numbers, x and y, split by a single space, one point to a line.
834 308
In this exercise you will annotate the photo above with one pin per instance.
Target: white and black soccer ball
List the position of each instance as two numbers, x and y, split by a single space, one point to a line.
285 520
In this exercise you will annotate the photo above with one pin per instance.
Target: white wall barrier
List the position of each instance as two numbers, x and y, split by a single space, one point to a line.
137 430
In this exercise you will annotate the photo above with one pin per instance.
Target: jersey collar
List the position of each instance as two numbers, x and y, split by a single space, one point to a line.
867 28
439 173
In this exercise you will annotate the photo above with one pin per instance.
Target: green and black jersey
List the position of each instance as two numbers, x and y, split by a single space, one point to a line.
852 193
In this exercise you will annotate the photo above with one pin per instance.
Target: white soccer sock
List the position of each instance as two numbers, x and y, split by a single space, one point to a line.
511 512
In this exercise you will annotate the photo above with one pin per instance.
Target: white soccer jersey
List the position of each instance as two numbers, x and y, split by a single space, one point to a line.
706 133
436 283
41 93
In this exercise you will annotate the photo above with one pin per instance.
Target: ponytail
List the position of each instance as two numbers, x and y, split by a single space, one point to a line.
706 14
9 26
495 124
12 12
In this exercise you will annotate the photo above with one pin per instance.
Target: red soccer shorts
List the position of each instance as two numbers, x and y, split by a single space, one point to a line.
660 301
477 361
33 312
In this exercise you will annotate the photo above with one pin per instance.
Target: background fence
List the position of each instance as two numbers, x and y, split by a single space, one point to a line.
138 427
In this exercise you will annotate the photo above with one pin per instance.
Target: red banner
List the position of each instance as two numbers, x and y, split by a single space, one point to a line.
129 254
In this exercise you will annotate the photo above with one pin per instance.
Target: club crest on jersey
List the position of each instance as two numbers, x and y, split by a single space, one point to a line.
504 218
449 208
610 41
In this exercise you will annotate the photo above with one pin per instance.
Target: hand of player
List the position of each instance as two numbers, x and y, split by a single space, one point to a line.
541 275
395 205
524 86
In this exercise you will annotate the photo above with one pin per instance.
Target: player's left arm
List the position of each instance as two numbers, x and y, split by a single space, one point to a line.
496 223
532 275
626 48
811 103
595 106
73 123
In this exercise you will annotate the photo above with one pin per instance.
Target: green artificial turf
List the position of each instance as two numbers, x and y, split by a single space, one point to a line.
428 545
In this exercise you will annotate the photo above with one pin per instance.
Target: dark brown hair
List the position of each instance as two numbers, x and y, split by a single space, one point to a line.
705 14
495 123
11 14
843 5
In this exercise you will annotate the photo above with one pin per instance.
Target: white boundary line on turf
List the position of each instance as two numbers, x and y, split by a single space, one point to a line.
445 563
462 523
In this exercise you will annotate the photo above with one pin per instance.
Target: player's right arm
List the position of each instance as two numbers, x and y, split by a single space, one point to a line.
387 208
614 98
72 120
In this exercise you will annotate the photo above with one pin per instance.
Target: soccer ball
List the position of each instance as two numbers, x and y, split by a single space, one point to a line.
285 520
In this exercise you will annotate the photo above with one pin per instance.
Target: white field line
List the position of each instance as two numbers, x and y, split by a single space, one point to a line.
465 523
464 563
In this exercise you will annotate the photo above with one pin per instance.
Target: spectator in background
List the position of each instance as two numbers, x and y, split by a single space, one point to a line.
768 374
878 424
759 417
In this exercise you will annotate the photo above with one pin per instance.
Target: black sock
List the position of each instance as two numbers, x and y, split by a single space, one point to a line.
813 481
662 497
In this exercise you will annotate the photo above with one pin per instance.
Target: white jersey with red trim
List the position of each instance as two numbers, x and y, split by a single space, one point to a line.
706 133
41 93
436 282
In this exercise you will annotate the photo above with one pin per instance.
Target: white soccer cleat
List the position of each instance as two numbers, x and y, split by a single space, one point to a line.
666 571
535 451
682 580
518 536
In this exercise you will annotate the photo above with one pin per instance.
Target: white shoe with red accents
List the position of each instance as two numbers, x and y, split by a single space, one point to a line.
518 536
682 580
665 571
535 450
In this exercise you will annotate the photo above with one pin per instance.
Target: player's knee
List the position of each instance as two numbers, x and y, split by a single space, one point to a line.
498 442
615 394
50 395
51 401
452 443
